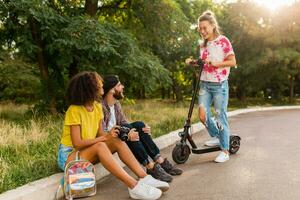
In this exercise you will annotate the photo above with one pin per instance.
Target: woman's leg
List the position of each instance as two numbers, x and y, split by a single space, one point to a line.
220 103
116 145
205 116
101 151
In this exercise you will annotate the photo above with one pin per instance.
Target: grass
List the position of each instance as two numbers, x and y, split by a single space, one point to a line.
161 116
28 143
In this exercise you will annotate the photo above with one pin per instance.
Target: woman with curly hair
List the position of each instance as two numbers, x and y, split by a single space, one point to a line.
82 131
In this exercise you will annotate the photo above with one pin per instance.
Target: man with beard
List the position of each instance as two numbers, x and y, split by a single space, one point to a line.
139 141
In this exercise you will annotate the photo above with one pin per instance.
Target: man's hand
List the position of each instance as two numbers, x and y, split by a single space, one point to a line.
133 135
114 131
147 129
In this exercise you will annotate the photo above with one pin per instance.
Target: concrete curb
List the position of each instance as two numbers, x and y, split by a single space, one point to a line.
45 188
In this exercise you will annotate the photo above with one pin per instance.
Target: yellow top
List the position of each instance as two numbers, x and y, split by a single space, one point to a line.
88 121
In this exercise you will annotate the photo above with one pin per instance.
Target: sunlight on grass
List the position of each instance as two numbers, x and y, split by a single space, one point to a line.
161 116
14 134
28 145
10 109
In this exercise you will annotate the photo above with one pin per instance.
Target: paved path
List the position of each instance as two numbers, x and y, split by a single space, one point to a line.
267 167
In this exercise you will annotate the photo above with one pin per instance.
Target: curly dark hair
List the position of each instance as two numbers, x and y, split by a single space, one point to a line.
84 87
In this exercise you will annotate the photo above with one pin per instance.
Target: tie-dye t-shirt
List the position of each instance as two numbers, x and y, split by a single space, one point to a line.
216 50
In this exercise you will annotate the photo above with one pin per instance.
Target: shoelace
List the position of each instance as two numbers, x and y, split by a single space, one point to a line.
160 169
222 154
145 187
168 165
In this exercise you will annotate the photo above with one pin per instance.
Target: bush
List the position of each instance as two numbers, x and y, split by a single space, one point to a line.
19 81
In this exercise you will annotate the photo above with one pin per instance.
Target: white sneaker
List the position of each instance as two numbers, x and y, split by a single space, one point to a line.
212 142
145 192
222 157
149 180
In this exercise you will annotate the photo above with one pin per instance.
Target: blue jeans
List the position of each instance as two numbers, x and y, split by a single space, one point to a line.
145 147
216 94
62 156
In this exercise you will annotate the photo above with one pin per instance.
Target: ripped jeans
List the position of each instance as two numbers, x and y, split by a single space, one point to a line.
216 94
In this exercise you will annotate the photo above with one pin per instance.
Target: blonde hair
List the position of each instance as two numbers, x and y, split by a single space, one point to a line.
211 18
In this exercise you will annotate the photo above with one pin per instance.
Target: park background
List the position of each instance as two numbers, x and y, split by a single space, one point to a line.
43 43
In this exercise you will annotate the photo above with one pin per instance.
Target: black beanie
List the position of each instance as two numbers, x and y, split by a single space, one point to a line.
110 81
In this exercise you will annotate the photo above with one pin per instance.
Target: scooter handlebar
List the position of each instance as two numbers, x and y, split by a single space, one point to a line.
197 62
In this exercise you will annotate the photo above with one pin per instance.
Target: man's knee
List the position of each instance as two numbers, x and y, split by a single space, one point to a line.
138 125
135 145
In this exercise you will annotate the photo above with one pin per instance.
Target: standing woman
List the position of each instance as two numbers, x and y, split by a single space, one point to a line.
217 53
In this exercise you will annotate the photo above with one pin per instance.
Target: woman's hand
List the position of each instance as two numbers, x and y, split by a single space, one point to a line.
188 61
207 61
191 61
133 135
147 129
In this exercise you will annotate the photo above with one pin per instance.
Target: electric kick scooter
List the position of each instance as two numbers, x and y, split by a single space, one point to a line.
182 150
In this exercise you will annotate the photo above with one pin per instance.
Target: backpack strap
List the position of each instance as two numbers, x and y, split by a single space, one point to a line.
62 180
61 184
77 156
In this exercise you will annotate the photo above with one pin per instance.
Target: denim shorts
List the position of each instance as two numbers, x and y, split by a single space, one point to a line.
63 154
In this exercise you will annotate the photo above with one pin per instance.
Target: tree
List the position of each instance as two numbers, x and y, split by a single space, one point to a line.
63 43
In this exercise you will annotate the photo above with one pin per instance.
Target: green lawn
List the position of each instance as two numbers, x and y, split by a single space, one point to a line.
28 142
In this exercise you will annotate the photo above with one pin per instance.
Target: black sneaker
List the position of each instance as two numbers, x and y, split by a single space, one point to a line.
159 173
170 169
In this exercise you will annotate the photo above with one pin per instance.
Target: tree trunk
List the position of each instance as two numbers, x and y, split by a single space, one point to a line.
42 65
240 94
169 93
292 89
177 91
73 69
141 93
91 7
163 93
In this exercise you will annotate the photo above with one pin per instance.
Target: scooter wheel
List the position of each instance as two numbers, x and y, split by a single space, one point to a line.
181 153
235 142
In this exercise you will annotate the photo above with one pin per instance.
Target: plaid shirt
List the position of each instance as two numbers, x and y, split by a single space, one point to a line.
120 117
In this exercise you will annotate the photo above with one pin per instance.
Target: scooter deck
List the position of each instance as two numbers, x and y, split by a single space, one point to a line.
201 150
205 149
